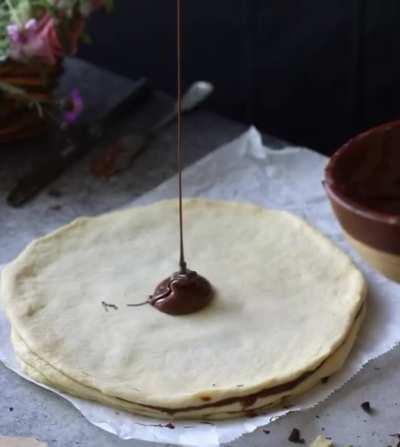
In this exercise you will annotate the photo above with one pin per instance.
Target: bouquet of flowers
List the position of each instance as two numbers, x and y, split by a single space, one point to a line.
35 35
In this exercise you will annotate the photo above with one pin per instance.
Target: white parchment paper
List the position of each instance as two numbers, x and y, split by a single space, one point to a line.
245 170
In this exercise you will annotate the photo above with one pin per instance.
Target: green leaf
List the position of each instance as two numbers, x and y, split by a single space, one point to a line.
23 11
12 90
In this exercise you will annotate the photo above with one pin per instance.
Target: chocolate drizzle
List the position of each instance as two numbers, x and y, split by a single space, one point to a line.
185 291
182 262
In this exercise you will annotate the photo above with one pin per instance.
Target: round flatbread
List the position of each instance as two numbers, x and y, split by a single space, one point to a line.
41 371
285 300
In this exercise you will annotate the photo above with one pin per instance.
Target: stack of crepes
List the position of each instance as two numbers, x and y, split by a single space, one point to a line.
287 308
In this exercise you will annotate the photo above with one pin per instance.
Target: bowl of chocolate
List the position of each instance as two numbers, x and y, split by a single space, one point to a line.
362 180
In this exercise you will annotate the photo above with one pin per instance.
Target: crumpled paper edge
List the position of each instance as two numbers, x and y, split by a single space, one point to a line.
190 433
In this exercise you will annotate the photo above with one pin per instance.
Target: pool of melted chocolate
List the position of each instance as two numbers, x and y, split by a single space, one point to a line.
182 293
367 170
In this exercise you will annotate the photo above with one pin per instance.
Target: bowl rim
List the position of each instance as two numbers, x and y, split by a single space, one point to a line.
342 199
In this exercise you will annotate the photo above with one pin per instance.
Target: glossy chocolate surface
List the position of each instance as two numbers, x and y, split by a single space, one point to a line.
182 293
363 184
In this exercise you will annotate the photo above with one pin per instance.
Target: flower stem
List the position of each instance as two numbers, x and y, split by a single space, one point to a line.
13 13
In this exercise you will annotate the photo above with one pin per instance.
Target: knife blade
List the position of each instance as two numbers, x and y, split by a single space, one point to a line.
119 156
74 144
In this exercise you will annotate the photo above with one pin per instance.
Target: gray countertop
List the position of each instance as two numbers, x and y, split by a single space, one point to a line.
27 410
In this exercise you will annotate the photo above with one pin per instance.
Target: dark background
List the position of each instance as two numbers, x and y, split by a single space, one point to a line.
312 72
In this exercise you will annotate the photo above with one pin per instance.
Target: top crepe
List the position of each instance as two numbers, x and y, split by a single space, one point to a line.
285 300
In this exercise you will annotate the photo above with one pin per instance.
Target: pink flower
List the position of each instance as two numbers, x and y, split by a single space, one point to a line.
36 39
73 107
20 36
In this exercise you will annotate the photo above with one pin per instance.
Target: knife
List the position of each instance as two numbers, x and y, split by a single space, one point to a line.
120 154
74 144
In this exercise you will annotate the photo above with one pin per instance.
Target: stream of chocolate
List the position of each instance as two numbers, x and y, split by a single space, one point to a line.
179 54
184 292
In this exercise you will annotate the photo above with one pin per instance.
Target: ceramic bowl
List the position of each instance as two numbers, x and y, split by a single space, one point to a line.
362 180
